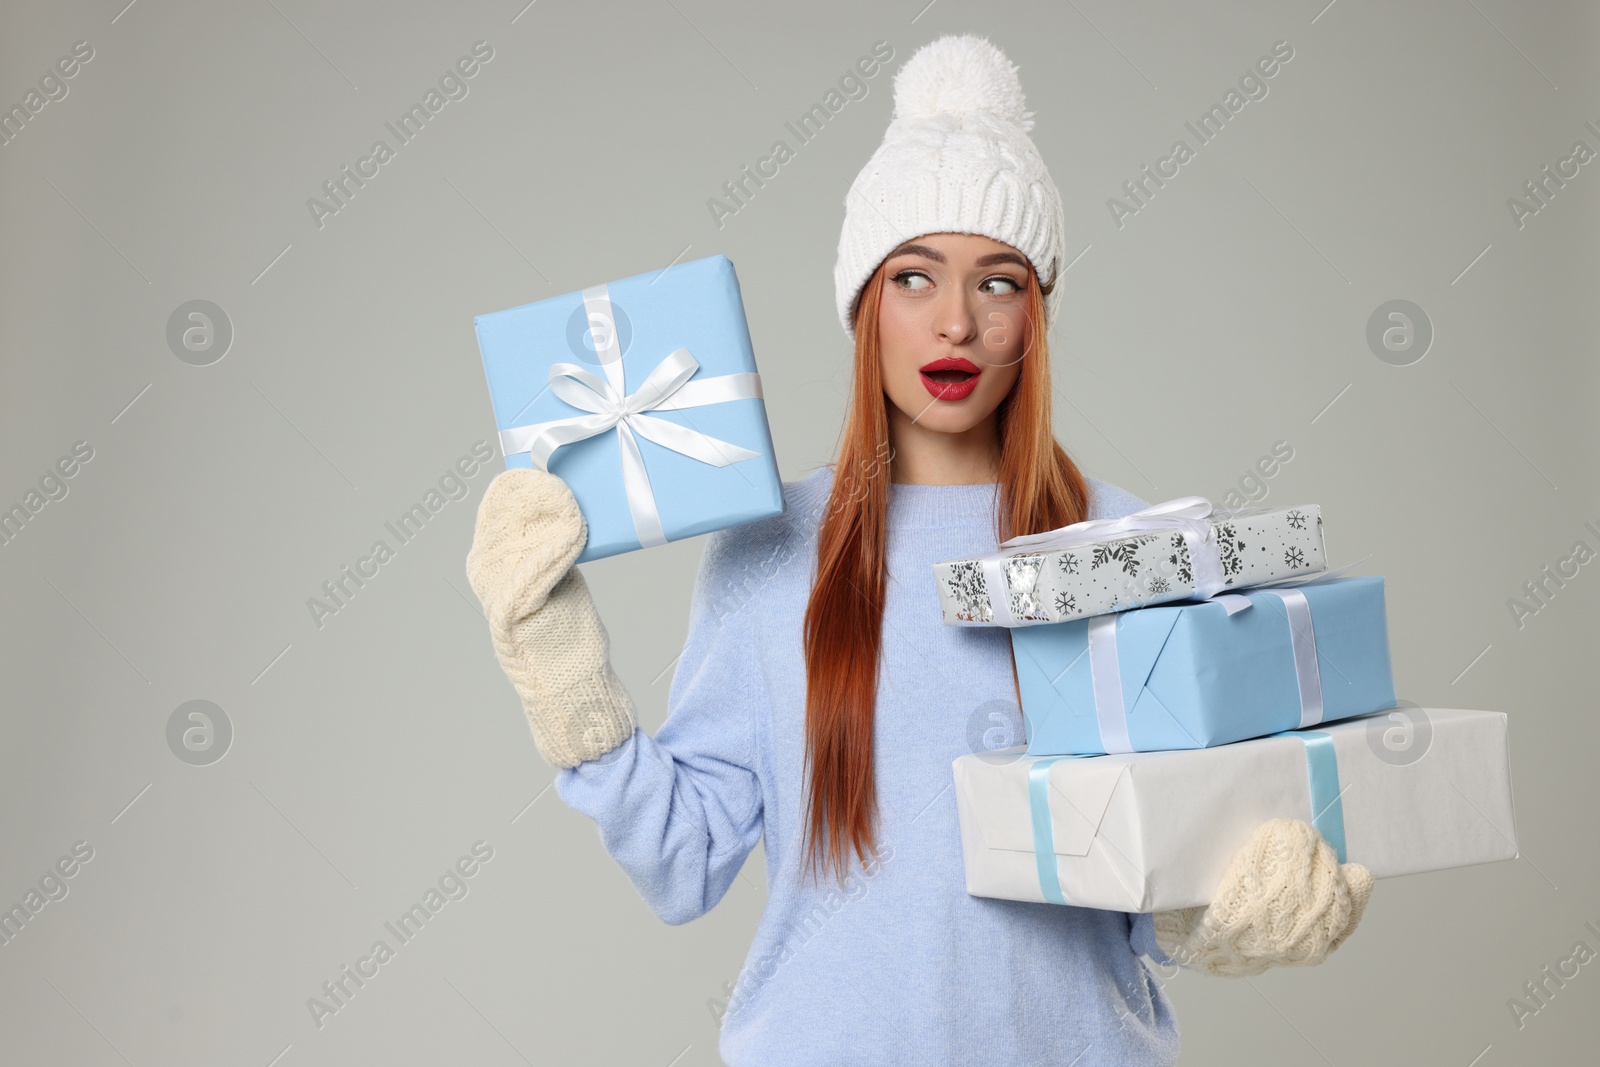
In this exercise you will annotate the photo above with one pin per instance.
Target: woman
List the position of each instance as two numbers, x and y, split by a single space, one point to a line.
820 700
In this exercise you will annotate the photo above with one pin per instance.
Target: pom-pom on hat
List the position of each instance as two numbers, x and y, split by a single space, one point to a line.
956 158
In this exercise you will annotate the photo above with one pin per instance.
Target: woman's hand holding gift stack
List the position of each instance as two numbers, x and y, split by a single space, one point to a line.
1285 901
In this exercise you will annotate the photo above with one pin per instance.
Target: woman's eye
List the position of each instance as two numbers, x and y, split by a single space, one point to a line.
904 277
1002 280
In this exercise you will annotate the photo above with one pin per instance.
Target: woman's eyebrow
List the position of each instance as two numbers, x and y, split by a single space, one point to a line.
939 257
1002 257
918 250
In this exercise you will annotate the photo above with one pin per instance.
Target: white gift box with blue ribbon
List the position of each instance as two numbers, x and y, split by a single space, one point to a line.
1203 673
1401 791
643 396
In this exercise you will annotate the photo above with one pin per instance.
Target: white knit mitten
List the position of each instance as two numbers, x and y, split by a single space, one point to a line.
1284 901
546 631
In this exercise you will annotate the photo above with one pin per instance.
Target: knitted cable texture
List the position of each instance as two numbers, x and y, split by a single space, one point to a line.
547 634
1285 900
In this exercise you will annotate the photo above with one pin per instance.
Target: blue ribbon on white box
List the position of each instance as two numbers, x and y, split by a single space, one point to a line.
667 387
1322 774
1322 781
1044 844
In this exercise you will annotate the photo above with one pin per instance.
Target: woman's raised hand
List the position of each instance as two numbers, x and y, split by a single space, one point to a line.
529 532
547 634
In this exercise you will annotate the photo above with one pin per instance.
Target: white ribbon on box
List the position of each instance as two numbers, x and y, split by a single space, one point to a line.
667 388
1185 515
1105 672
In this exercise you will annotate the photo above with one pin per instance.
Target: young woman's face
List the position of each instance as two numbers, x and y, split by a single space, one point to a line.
951 328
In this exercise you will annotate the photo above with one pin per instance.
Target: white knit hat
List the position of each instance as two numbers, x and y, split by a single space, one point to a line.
956 158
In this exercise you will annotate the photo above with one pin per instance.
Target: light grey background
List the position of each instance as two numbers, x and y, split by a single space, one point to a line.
368 754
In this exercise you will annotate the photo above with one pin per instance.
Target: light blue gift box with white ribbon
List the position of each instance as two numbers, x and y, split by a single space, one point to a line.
1198 674
643 396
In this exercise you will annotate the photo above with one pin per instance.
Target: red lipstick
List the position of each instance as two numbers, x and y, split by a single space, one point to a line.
950 378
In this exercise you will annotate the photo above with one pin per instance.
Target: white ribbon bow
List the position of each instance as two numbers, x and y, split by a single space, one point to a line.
1185 514
667 388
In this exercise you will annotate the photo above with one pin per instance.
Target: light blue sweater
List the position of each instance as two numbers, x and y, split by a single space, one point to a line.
901 966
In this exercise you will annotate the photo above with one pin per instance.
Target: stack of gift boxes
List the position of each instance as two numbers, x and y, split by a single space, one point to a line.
1185 675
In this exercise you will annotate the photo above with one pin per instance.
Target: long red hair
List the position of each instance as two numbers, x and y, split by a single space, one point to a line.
1040 489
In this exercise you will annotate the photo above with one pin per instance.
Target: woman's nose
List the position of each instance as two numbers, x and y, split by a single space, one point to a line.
953 318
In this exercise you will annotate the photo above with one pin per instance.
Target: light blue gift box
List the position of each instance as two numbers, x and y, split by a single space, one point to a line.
1204 673
633 333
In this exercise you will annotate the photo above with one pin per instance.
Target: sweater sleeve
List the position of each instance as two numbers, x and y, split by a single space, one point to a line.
681 811
1142 936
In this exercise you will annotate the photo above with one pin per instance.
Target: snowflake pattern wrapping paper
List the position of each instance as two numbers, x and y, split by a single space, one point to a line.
1256 545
